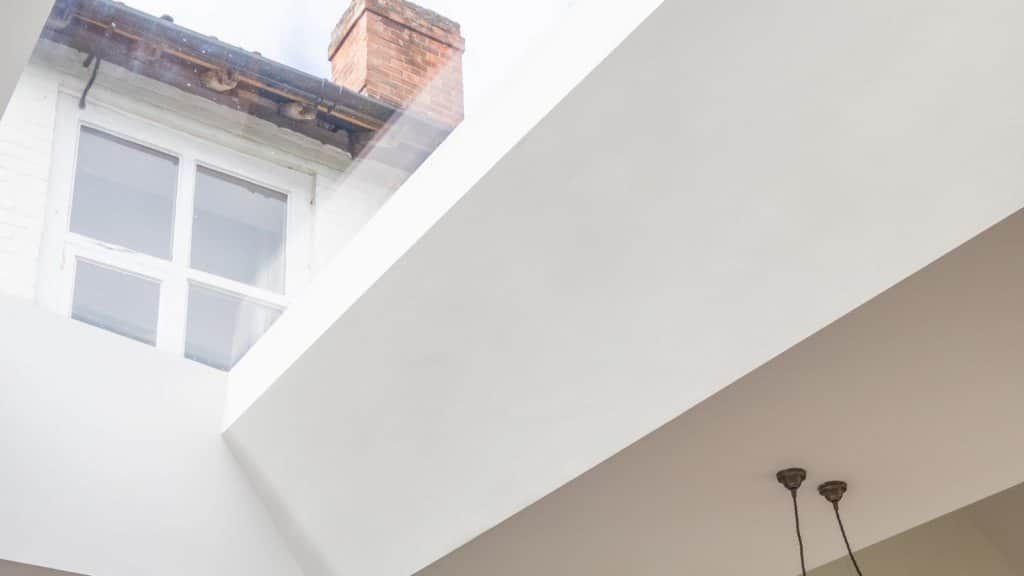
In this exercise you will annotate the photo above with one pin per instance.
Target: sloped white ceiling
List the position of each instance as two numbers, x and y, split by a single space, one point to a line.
20 24
913 398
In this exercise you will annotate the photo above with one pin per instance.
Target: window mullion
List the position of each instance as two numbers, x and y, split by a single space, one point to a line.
183 210
174 292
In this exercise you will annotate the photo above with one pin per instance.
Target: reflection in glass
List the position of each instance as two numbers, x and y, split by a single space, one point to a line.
120 302
238 230
222 326
124 194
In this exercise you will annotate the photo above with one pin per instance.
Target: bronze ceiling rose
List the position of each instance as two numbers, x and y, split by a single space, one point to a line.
791 478
833 490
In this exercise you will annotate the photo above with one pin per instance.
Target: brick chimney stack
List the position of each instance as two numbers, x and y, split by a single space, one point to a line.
402 54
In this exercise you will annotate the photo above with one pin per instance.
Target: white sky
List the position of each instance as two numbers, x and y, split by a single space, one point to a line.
296 32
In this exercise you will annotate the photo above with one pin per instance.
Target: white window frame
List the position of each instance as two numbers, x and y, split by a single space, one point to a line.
62 248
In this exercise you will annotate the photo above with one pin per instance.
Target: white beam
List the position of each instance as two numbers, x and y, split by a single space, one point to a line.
21 21
730 179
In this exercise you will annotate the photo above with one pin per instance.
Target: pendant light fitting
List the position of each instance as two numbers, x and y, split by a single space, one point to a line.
792 479
833 491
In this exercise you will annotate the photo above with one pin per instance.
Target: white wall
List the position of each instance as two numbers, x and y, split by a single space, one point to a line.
732 178
113 463
345 202
16 569
949 546
26 141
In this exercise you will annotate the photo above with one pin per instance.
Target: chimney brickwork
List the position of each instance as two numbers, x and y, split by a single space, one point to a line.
402 54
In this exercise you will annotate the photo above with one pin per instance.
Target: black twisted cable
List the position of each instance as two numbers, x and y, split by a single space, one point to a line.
799 537
842 530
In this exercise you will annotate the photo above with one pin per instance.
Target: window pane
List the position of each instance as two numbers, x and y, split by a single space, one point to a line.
124 194
238 230
222 326
117 301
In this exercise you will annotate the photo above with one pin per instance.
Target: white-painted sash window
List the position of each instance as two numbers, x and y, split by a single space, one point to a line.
169 239
116 300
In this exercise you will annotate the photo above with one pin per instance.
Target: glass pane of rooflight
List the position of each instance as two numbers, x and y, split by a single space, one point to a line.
124 194
223 326
238 230
117 301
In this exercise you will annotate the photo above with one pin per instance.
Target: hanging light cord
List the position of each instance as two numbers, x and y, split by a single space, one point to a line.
799 537
842 530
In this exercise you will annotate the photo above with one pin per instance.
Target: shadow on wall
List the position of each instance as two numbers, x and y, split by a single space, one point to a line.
16 569
982 538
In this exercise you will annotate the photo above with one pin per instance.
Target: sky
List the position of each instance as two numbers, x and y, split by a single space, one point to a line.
295 32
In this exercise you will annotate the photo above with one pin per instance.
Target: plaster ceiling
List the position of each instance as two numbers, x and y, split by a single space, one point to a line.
914 398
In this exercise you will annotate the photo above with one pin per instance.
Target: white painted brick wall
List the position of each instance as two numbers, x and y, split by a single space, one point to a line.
26 142
342 204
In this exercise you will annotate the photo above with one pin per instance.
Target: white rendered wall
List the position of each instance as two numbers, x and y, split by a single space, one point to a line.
113 463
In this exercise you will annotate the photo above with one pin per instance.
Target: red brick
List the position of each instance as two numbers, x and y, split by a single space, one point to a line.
403 54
